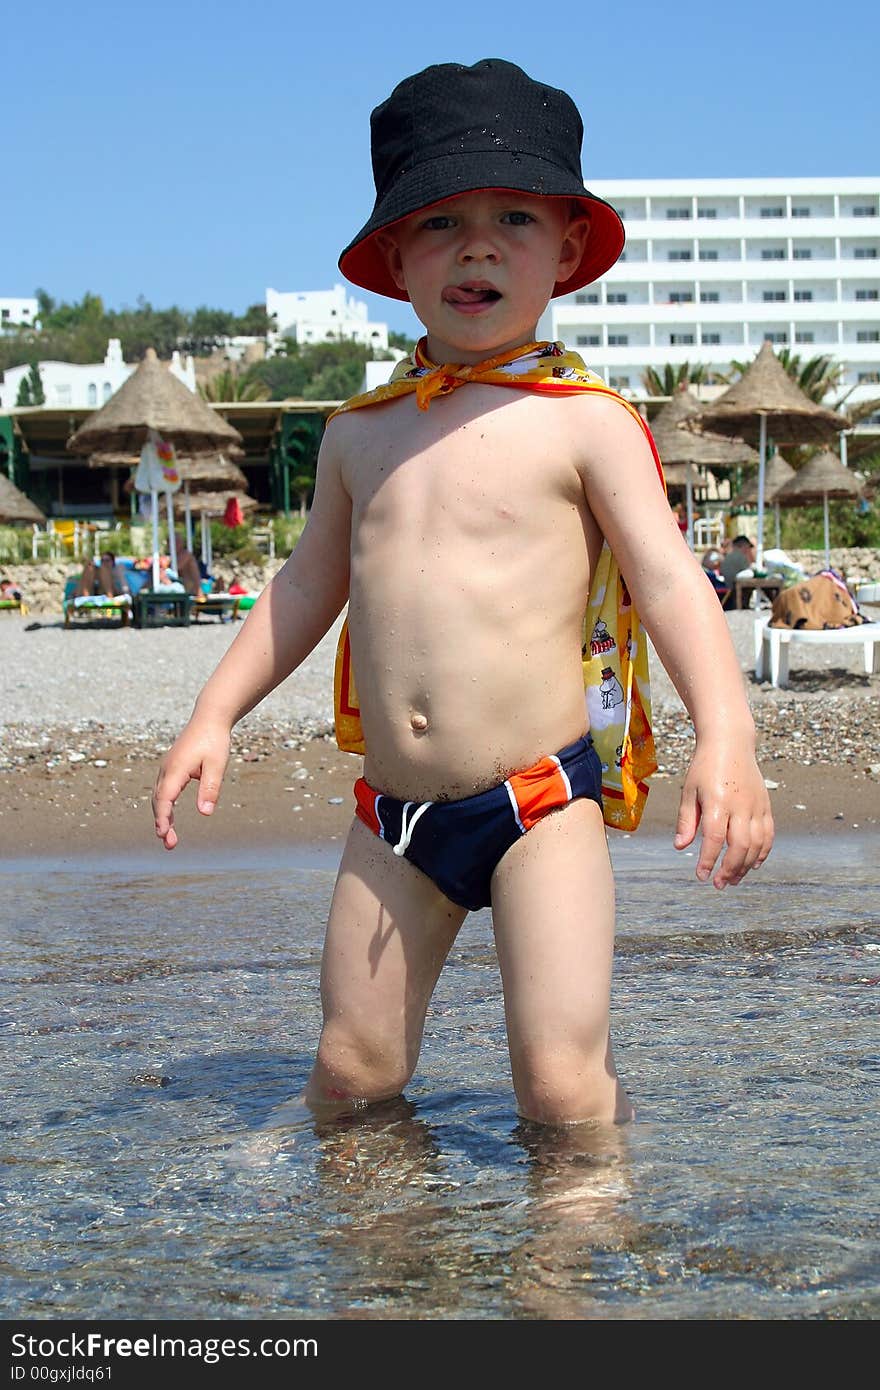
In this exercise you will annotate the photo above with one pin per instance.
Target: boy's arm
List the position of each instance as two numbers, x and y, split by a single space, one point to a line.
289 618
724 788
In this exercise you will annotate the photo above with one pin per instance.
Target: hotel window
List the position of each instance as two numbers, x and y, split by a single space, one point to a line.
773 253
802 253
776 338
681 339
679 255
774 296
803 296
707 212
772 212
108 391
868 378
711 339
708 255
677 214
681 297
800 212
864 210
868 335
586 299
616 298
865 253
618 383
618 340
588 340
867 294
93 393
804 336
709 297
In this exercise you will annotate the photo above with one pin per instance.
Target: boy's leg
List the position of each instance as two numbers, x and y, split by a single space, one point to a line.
553 909
389 932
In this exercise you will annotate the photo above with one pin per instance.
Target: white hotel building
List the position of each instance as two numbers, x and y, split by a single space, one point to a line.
712 267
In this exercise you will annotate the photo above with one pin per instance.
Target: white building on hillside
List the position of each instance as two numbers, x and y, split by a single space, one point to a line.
712 267
86 385
318 316
18 313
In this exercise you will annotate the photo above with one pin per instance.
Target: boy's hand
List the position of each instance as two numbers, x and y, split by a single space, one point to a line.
199 754
725 792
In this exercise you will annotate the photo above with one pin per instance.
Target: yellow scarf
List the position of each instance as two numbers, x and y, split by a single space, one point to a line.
615 657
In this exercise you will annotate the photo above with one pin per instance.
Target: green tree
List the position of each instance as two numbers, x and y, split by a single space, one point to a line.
666 380
400 340
30 391
230 385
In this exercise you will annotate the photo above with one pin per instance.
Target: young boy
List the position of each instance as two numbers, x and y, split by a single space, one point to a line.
462 515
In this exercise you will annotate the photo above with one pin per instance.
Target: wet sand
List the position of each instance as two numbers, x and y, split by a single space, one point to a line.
303 795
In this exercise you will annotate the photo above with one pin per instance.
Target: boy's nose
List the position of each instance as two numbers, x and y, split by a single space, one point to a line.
478 249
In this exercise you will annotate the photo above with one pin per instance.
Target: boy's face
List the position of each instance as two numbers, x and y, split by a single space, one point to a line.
479 269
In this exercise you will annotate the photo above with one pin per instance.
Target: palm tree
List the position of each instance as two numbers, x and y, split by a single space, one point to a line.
673 375
230 385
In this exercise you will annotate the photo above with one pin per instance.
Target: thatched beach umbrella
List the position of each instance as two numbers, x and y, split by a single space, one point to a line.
153 399
776 475
150 407
823 477
765 397
15 508
681 449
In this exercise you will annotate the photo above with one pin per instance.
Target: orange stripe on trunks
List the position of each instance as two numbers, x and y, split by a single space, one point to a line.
538 790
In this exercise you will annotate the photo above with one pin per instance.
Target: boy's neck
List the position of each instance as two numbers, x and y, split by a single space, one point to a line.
440 352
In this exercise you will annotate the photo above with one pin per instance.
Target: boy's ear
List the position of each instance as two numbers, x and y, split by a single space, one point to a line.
573 245
390 253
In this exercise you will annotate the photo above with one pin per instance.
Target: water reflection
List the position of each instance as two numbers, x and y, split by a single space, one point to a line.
155 1037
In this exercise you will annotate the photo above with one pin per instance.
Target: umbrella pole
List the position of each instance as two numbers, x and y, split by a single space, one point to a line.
690 504
189 520
827 546
172 539
154 515
778 526
762 463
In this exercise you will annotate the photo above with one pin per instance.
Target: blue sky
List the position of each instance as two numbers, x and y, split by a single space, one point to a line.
196 154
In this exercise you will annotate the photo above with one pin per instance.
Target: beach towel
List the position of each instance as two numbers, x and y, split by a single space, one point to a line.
815 604
614 651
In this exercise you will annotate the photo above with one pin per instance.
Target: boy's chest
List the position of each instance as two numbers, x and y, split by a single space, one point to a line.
481 453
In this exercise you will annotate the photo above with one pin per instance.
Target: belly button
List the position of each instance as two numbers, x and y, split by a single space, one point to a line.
419 722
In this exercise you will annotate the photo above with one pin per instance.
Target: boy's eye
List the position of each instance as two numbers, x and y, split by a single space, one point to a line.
438 223
518 219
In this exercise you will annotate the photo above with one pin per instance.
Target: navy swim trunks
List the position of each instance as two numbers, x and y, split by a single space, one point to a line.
458 844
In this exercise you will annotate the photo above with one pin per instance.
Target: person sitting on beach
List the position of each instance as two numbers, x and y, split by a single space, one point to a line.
107 579
711 565
740 556
462 511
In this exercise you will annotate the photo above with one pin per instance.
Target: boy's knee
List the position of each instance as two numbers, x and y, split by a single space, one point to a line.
351 1065
567 1085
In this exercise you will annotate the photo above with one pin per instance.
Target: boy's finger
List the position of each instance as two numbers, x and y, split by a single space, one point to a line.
165 793
688 820
209 787
714 832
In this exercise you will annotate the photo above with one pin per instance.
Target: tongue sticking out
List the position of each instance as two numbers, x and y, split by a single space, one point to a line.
467 294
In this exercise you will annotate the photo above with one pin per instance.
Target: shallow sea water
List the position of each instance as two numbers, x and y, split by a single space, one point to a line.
157 1015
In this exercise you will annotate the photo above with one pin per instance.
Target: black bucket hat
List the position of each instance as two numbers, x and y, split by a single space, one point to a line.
454 129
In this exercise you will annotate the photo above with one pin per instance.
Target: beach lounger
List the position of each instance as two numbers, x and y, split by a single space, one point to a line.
222 606
94 607
773 645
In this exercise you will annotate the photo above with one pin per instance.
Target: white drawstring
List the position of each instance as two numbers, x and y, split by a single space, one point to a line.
406 830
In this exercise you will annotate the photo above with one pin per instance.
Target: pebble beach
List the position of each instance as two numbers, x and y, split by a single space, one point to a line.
87 712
